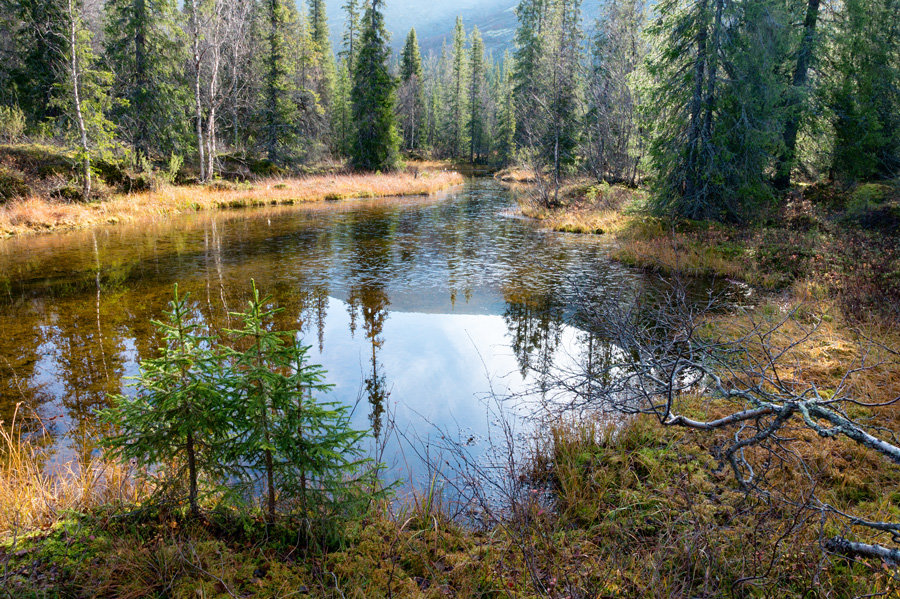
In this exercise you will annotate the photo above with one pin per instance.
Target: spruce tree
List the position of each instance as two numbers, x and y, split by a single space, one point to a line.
146 53
459 97
547 86
350 42
341 125
614 142
862 91
412 94
562 69
477 119
436 104
506 113
798 94
318 21
716 132
290 117
38 39
376 143
300 445
526 73
178 416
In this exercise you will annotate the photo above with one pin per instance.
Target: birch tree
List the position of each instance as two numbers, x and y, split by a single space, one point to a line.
82 96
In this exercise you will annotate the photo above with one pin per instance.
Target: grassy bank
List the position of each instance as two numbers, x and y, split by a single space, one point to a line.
39 201
637 512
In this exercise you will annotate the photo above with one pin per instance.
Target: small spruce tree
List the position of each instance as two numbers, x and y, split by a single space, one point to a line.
178 414
300 445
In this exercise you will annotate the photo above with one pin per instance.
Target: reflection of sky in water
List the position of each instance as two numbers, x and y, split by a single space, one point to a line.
455 299
439 368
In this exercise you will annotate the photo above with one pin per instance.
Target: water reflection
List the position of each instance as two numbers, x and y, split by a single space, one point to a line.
428 304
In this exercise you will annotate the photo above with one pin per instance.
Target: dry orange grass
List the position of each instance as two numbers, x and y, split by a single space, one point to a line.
671 256
33 496
586 208
516 176
35 215
579 221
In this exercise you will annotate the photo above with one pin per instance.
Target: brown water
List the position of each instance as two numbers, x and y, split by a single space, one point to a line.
418 308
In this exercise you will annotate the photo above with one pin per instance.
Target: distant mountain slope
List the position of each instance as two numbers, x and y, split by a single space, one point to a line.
429 17
434 20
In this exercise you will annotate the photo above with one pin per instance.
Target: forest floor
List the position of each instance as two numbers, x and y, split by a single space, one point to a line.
37 180
634 510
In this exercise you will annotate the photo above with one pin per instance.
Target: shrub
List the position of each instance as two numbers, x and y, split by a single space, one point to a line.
12 124
12 184
866 197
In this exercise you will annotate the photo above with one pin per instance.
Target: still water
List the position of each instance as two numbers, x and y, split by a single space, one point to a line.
420 309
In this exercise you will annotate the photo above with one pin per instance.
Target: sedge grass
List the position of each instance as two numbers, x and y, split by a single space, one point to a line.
33 496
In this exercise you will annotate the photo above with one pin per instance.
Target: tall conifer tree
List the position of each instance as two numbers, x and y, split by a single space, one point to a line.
318 23
477 117
459 92
145 51
376 143
33 62
716 132
412 94
863 90
506 113
350 41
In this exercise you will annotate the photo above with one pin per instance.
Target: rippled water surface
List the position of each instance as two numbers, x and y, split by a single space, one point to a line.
418 308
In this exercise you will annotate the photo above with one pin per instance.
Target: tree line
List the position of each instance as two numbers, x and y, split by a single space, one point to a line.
719 105
152 78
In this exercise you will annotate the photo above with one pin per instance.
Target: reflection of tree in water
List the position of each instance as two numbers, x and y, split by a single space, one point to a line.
305 308
370 266
20 355
597 356
89 361
535 326
371 301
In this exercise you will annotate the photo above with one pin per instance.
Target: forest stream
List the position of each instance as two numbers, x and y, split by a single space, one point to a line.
424 311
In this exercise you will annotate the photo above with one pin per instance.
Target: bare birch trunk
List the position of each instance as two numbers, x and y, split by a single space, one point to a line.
198 100
76 95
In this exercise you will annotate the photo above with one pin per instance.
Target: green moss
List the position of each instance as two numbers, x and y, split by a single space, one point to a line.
265 168
40 161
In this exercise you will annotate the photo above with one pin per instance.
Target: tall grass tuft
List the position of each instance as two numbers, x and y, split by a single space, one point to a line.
33 496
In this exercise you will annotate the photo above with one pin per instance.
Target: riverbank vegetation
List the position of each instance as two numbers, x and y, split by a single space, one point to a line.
45 175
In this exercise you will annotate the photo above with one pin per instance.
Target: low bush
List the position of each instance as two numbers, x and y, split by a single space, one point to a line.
12 124
12 184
